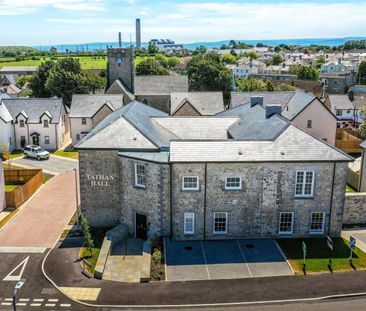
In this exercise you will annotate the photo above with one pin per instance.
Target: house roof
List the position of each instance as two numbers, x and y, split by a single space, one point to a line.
11 78
3 95
158 157
292 102
293 145
160 85
206 103
11 89
343 102
18 68
87 105
4 113
117 87
33 108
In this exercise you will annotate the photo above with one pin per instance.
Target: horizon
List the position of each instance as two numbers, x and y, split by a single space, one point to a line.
68 22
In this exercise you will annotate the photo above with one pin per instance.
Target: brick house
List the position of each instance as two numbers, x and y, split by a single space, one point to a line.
249 176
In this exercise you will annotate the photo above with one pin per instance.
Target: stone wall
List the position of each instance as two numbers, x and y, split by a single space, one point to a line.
186 110
355 209
120 66
100 115
99 187
161 102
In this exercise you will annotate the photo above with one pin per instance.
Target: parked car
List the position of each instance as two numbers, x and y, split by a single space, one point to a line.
36 152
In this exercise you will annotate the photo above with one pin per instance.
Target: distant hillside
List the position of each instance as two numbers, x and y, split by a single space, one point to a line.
15 49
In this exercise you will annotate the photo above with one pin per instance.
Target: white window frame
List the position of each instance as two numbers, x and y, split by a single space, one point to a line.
83 121
232 188
188 216
21 123
45 140
303 195
226 223
46 123
292 224
136 176
323 223
191 189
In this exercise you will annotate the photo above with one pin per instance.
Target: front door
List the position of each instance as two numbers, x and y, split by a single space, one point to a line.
35 140
141 226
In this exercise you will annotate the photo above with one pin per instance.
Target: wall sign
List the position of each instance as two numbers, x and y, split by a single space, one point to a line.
100 180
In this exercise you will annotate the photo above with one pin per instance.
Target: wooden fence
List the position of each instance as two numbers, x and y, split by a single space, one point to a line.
348 140
28 180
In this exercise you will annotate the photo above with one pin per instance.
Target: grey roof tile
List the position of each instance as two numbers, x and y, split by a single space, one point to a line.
159 157
160 85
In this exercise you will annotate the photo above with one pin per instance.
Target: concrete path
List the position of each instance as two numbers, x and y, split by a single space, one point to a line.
54 165
229 259
43 218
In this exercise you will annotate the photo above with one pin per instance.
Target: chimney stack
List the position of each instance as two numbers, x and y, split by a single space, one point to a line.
256 100
273 109
138 33
119 39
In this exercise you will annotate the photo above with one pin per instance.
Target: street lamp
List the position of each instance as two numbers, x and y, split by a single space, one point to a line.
17 287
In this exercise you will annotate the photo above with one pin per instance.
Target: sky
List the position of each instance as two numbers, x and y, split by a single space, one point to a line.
45 22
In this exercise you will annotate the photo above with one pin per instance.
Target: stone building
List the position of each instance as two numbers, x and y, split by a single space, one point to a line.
210 177
151 90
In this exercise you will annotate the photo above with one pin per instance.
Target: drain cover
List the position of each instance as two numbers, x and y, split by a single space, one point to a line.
249 246
188 248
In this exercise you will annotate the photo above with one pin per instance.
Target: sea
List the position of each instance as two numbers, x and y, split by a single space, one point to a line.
98 46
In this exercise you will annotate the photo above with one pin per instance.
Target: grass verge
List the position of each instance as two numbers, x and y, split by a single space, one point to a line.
67 154
9 188
98 236
157 260
8 217
317 257
350 189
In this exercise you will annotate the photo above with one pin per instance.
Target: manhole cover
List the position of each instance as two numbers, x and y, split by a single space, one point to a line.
249 246
188 248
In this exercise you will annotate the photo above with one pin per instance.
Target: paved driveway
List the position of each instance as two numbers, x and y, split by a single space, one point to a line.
41 221
54 165
230 259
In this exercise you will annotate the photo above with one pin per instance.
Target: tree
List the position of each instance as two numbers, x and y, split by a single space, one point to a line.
270 87
284 87
250 85
152 48
228 58
23 80
208 73
305 72
200 50
361 73
276 60
89 242
150 66
173 61
320 61
64 78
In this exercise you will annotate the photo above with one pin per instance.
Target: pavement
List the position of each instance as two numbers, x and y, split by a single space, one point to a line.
359 234
43 218
54 165
225 259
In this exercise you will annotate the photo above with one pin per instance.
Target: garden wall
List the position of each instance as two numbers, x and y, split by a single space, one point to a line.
355 209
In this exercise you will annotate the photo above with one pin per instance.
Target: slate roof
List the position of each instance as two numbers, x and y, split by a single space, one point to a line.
87 105
160 85
296 101
206 103
139 116
158 157
117 87
343 102
3 95
292 145
11 78
253 124
4 113
33 108
18 68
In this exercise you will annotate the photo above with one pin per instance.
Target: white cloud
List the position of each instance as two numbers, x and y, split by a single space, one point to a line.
22 7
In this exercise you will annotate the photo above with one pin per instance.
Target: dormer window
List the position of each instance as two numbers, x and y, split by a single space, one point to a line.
21 123
45 123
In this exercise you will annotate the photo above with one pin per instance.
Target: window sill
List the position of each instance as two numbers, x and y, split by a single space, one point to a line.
232 189
219 233
316 233
190 190
303 198
140 187
285 233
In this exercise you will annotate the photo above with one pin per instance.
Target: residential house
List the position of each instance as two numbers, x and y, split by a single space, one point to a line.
253 175
36 121
152 90
304 110
88 110
18 70
8 85
346 109
196 103
2 187
337 67
6 128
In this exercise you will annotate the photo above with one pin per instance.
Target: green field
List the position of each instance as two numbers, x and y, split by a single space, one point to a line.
317 257
92 62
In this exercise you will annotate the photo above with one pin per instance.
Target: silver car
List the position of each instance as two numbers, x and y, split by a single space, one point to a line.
36 152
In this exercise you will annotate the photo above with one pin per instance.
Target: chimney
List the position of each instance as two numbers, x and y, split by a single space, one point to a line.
138 33
273 109
256 100
119 39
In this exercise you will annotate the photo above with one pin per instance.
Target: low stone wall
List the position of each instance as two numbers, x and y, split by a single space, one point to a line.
352 179
355 209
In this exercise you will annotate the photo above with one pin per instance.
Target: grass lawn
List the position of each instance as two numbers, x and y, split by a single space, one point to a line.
16 154
67 154
317 257
98 236
9 188
350 189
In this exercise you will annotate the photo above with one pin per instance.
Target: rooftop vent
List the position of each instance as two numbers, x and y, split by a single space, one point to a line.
256 100
273 109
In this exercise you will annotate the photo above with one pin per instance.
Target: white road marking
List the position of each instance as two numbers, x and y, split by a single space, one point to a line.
8 299
11 277
24 299
38 300
52 300
66 305
50 305
21 304
204 257
35 304
245 260
6 303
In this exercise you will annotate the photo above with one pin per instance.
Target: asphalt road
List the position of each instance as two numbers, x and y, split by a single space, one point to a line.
54 165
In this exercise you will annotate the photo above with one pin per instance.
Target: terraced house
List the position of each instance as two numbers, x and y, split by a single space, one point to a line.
246 175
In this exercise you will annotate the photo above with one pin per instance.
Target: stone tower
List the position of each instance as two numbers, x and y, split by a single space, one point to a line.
120 66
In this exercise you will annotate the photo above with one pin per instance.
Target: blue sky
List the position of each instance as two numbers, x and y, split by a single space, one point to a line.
41 22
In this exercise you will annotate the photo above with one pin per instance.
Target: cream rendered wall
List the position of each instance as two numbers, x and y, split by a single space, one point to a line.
78 128
324 124
6 134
